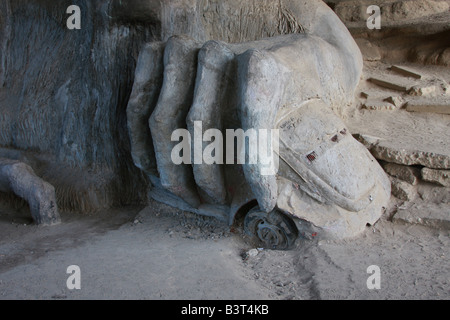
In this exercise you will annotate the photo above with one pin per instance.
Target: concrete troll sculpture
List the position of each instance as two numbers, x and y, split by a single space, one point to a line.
225 108
286 67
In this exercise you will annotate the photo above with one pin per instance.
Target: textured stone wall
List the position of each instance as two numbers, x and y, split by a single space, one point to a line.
63 94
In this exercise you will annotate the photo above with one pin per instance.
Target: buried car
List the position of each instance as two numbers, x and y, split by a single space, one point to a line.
329 185
189 91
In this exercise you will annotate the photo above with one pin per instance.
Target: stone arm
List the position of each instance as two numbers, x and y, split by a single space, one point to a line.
19 178
257 80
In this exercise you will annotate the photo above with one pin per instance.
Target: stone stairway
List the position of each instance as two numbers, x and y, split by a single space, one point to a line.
402 115
402 105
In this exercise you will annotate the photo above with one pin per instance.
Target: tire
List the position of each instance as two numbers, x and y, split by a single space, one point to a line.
274 231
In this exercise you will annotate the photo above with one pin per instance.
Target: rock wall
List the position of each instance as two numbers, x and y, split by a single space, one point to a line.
63 98
416 31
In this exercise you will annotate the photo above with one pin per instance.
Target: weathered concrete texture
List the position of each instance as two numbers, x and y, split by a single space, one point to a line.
380 101
20 179
392 82
412 30
440 177
211 102
432 193
247 82
411 157
343 173
393 11
389 150
307 68
144 97
79 189
408 174
378 105
423 90
432 215
395 100
403 190
232 21
368 50
175 100
64 93
408 72
405 138
429 106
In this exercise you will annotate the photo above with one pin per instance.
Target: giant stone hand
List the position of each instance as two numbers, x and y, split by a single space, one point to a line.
259 84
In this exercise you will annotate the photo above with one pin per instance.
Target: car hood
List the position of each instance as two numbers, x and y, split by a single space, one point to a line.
318 153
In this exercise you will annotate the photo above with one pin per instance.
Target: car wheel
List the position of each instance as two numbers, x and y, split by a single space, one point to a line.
271 231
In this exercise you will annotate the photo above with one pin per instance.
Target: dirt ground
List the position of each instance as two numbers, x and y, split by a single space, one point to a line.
162 253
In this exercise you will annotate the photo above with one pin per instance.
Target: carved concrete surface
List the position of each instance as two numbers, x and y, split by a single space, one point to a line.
293 83
19 178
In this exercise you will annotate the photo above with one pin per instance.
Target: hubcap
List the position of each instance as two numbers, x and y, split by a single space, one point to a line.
270 234
271 231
